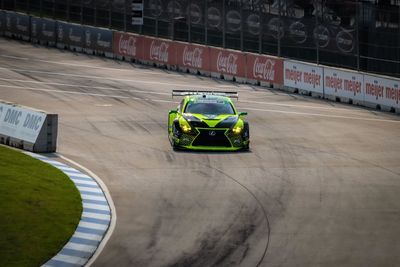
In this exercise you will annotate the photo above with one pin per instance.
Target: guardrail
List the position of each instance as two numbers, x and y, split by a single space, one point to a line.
28 129
342 85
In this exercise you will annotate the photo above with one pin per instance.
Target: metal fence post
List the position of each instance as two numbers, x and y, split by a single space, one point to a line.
68 10
358 34
241 27
260 35
205 22
189 22
316 37
223 25
110 14
125 15
279 28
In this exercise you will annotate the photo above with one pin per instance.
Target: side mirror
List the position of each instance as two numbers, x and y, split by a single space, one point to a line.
173 111
242 113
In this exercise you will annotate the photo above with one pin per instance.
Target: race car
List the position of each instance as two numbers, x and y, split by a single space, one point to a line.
207 120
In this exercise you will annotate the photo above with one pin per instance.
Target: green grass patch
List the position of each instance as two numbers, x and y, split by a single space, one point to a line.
40 209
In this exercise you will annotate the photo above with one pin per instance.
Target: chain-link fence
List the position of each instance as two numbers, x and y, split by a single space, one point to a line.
361 35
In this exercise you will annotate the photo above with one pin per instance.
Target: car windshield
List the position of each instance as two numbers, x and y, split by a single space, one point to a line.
209 107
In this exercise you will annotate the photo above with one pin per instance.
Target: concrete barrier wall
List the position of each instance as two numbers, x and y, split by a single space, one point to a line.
28 129
336 84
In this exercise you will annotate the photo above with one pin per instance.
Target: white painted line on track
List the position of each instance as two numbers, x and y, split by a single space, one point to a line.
321 115
169 101
140 70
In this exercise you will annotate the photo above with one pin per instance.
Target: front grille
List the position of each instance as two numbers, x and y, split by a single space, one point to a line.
205 139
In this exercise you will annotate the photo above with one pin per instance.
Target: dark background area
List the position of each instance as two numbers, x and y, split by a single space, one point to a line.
361 35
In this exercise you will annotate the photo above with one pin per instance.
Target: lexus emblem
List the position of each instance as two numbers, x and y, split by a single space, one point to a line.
212 133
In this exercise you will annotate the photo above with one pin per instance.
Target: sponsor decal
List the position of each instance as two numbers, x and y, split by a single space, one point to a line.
343 83
20 123
193 57
60 32
214 17
102 43
276 28
74 38
127 45
345 41
159 51
228 63
174 9
303 76
321 36
233 21
264 69
34 28
46 32
88 40
298 32
195 14
8 22
382 91
253 24
21 27
156 7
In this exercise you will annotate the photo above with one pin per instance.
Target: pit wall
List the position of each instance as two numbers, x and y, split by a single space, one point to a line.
341 85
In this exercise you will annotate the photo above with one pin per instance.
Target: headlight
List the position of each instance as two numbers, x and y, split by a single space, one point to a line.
238 127
184 125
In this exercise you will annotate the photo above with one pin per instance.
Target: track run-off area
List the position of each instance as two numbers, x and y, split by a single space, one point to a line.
320 185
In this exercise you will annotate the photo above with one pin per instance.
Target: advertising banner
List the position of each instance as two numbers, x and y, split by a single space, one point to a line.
98 39
343 83
264 68
193 56
227 62
303 76
21 123
129 45
2 22
159 51
70 34
382 91
43 30
17 24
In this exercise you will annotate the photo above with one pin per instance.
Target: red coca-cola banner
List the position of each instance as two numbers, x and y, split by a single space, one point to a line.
129 45
193 56
227 62
264 68
159 51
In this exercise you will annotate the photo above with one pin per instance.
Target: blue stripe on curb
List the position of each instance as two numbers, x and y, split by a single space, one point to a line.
90 231
87 185
91 193
93 220
75 253
107 212
98 202
84 241
57 263
72 254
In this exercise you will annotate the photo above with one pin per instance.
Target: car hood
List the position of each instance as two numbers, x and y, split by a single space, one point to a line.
212 121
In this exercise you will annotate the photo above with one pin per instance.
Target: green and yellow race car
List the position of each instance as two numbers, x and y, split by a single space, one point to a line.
207 120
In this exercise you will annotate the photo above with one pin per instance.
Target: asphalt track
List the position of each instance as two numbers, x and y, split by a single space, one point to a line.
320 186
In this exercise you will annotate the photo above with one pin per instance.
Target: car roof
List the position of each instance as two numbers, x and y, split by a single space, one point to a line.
205 97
